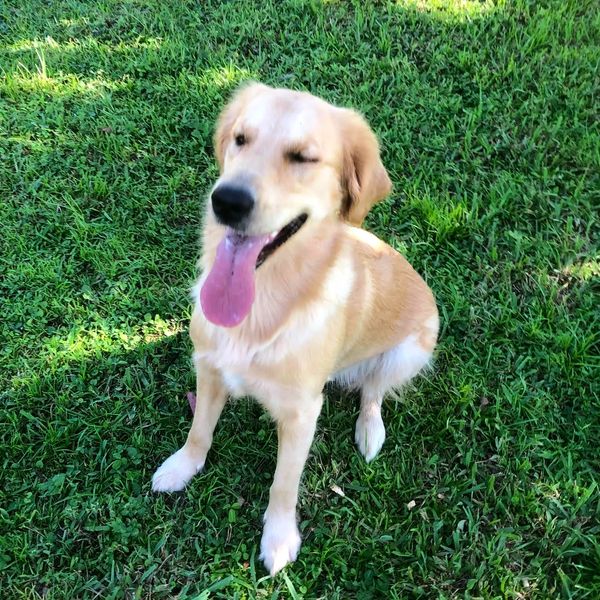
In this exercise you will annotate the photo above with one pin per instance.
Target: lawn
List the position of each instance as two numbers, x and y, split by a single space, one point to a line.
487 485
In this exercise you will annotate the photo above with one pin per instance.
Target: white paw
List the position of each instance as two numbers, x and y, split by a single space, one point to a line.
370 434
280 542
175 472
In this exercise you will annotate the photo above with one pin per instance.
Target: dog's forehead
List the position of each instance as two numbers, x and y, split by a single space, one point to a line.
291 114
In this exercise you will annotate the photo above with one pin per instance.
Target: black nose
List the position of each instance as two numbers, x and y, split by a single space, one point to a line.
231 204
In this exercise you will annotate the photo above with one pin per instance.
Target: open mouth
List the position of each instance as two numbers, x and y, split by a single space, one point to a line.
281 238
228 291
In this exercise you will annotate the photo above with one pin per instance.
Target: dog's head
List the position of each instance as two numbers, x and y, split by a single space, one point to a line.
286 158
283 154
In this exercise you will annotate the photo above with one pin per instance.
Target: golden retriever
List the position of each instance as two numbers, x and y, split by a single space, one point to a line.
292 293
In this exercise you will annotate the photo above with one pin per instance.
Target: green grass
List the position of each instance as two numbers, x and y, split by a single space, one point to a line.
488 119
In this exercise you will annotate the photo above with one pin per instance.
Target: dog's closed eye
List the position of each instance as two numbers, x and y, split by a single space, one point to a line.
298 157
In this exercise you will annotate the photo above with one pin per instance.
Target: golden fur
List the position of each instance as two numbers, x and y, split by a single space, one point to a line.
333 302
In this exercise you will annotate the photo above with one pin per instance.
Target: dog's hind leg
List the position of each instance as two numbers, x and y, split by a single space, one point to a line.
392 369
370 430
180 467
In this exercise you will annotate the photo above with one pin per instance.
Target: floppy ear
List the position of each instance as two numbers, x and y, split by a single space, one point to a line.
229 115
364 178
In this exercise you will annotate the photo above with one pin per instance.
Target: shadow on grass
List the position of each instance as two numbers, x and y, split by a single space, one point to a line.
86 435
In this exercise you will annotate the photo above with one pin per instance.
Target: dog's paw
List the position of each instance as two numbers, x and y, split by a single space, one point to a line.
175 472
370 434
280 542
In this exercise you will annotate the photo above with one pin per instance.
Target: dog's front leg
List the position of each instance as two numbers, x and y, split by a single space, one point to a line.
180 467
295 429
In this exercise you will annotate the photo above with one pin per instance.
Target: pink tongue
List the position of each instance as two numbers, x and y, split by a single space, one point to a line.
228 292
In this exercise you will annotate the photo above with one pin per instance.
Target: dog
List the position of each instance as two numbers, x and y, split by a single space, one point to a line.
293 293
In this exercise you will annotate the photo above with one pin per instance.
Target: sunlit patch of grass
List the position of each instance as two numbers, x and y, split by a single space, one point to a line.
31 145
443 218
89 43
81 343
226 76
454 10
585 270
29 45
74 22
25 81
